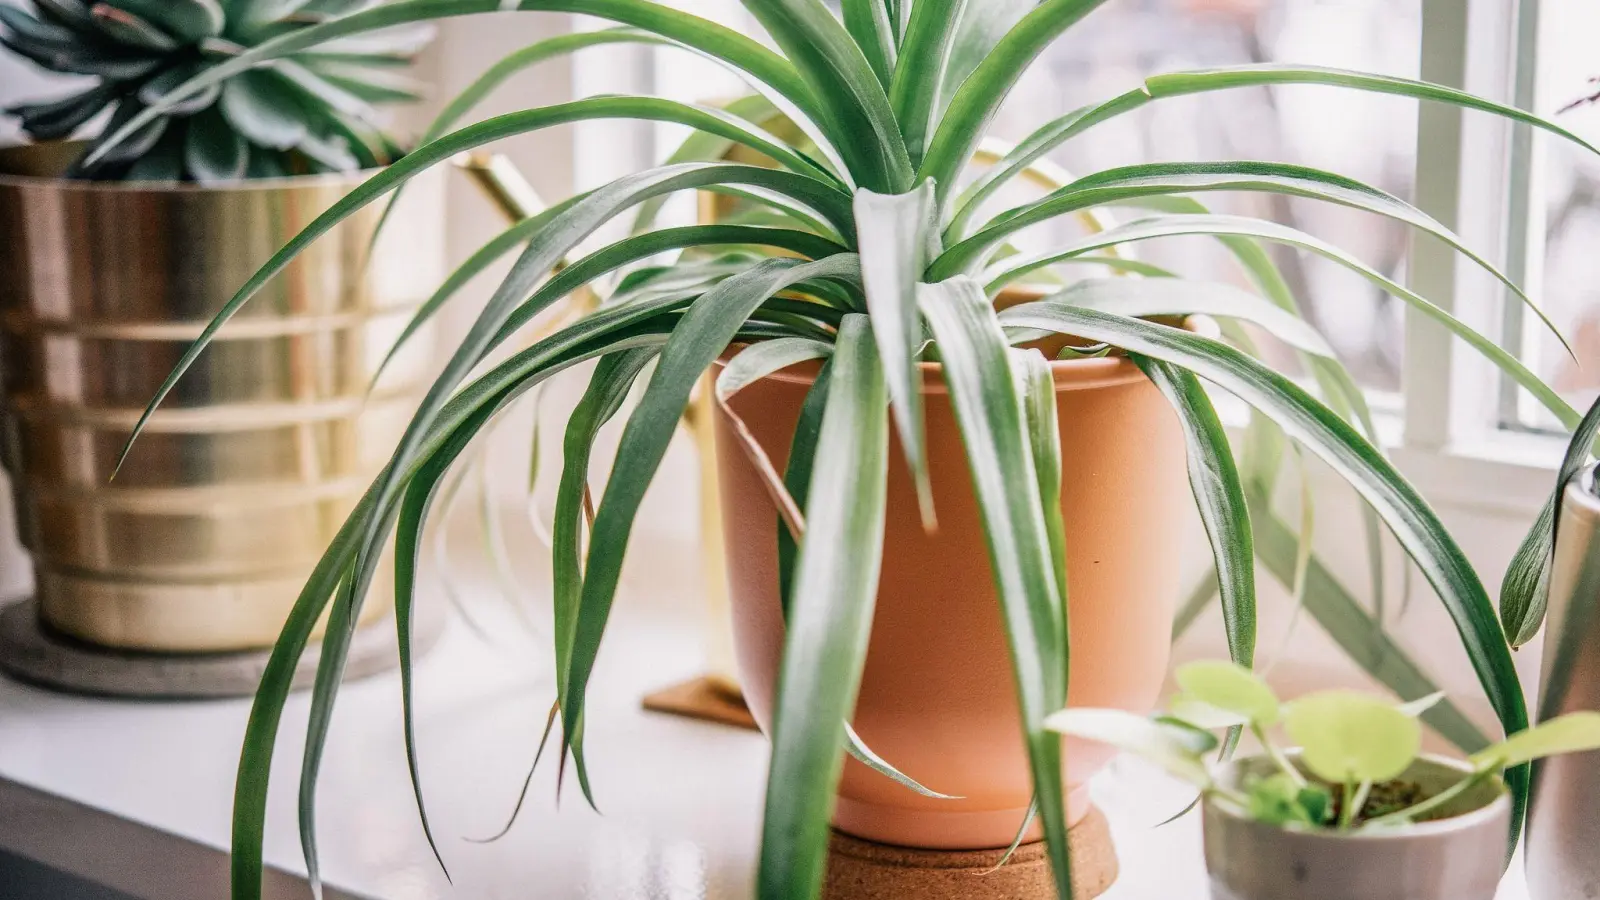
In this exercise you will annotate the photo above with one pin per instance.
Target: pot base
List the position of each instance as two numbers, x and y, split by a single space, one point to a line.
32 653
862 870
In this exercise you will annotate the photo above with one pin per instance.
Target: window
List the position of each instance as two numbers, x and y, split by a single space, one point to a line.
1563 212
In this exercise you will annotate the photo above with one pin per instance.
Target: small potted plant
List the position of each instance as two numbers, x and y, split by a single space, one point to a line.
111 266
1355 811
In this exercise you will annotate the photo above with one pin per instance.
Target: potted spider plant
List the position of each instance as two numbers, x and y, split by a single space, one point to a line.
1355 811
875 393
118 254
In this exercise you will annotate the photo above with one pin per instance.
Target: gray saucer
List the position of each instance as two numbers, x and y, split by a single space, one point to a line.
32 653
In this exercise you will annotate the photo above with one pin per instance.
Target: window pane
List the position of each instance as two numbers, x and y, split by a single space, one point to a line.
1570 203
1364 136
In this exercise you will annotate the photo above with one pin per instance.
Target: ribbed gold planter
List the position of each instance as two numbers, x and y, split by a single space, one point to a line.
243 476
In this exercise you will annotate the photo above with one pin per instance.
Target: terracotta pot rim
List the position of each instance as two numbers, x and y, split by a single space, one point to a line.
1068 374
1467 821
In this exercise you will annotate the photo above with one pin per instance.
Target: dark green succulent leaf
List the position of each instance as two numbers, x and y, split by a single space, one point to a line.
264 108
267 163
72 14
213 152
372 86
58 119
700 35
324 92
1525 591
128 29
329 153
186 20
141 140
164 161
61 50
157 87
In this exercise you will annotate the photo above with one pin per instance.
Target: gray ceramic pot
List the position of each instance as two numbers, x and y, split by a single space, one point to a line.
1457 858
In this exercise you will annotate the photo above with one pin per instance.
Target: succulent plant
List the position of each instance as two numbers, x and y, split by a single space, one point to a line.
305 113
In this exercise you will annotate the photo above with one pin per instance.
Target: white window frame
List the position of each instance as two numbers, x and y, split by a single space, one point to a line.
1476 174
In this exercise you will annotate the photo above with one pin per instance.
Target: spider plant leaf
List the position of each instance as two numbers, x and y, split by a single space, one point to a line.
613 377
751 364
1155 179
990 415
797 475
1033 148
1525 590
918 80
975 103
981 27
1177 84
836 585
871 26
1219 497
1323 433
896 231
704 332
1141 298
583 217
1168 226
693 32
1353 628
846 88
1164 745
1038 386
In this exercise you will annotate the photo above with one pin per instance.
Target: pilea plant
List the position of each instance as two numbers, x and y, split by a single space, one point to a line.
879 250
1353 748
307 112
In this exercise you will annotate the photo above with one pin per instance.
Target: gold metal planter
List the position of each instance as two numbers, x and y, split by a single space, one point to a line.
243 476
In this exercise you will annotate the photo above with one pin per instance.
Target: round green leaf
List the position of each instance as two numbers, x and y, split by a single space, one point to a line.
1201 714
1348 736
1571 733
1231 688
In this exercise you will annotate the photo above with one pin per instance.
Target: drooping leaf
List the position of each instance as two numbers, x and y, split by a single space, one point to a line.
991 417
1525 590
836 583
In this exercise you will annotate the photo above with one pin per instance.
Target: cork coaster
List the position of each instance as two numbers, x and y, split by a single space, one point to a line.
709 698
861 870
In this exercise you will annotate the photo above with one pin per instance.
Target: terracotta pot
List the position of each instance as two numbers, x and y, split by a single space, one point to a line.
937 698
1458 857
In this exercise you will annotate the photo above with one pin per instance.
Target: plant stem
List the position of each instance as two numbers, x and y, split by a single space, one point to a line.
1276 755
1353 802
1422 808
